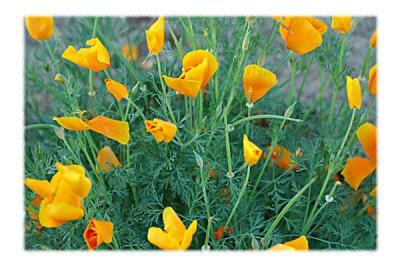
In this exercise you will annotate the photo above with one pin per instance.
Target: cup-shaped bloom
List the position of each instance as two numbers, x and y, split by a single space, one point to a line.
302 34
130 52
161 130
95 58
195 59
98 232
107 159
353 90
118 90
372 80
251 152
300 244
357 169
372 41
283 158
74 176
175 236
341 24
155 36
72 123
40 28
113 129
257 81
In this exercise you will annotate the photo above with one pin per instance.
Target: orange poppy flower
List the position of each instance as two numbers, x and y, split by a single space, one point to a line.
353 90
300 244
341 24
113 129
118 90
283 158
40 28
372 41
107 159
155 36
62 196
257 81
130 52
98 232
198 66
372 80
251 152
358 168
161 130
302 34
95 58
175 236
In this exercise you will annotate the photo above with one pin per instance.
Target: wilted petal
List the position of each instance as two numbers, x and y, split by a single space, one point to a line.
118 90
107 159
251 152
367 134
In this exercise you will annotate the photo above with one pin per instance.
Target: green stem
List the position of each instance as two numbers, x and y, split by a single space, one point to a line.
177 44
137 109
284 211
366 61
228 147
306 72
293 74
266 116
40 126
241 193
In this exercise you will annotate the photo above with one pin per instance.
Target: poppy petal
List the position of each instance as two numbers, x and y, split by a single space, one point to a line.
71 123
113 129
356 170
367 134
107 159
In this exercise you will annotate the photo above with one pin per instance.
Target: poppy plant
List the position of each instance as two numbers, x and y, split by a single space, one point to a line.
98 232
251 152
372 80
118 90
113 129
155 36
299 244
341 24
161 130
357 169
62 196
302 34
257 81
353 90
107 159
95 58
130 52
40 28
175 236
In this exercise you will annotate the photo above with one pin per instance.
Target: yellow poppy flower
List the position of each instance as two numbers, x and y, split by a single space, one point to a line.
372 41
251 152
302 34
353 90
258 81
357 169
98 232
372 80
95 58
195 59
72 123
40 28
341 24
107 159
118 90
373 193
155 36
175 236
283 158
130 52
62 196
161 130
59 78
300 244
113 129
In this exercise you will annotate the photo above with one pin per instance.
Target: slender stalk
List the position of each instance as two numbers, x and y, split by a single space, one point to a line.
293 74
137 109
306 72
287 207
366 61
228 147
241 193
40 126
266 116
177 44
91 87
53 58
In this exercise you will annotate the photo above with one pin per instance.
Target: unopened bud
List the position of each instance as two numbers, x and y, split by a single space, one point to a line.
205 33
60 132
245 44
255 245
199 160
